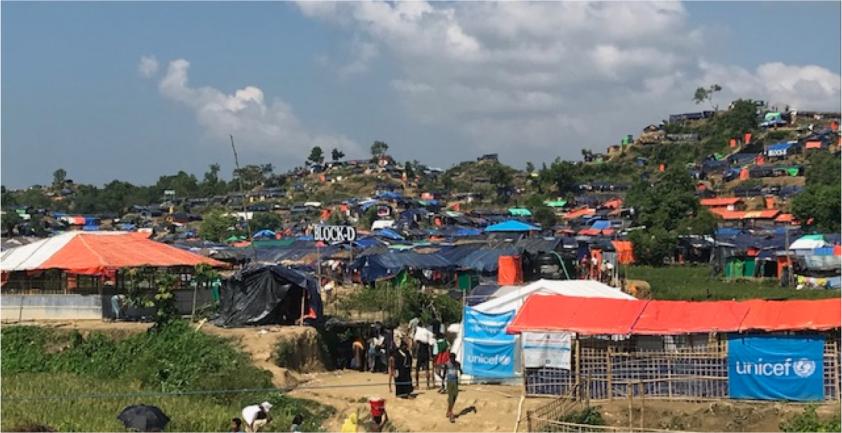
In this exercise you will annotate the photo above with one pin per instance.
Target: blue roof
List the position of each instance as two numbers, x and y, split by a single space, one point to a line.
511 226
266 233
780 146
601 224
388 234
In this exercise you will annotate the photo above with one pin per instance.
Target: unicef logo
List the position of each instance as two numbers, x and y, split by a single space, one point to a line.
505 360
804 367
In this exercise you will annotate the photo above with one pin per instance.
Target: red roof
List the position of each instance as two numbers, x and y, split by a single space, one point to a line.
720 201
577 213
817 315
581 315
785 218
745 215
595 316
684 317
95 254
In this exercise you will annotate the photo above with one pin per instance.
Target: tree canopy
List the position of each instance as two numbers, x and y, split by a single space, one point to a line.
316 155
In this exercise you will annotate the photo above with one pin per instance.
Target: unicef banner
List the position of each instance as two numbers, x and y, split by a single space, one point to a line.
488 359
776 367
485 326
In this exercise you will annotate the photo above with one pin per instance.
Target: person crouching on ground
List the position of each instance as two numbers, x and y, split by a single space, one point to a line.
378 422
256 416
452 371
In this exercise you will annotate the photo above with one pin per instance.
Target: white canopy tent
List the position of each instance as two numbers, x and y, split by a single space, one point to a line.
508 298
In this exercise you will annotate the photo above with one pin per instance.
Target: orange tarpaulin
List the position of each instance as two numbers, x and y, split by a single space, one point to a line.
817 315
509 270
813 144
744 175
592 316
744 215
96 254
577 213
625 252
595 316
720 201
683 317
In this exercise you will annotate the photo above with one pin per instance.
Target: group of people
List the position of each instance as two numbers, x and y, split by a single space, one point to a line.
428 349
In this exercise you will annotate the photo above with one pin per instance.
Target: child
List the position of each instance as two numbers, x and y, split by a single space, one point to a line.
452 371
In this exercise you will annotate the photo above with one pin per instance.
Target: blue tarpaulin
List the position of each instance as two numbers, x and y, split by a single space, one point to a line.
489 350
511 226
776 367
389 234
778 149
264 234
601 225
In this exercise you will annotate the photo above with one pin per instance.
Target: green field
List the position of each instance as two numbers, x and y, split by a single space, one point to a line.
696 283
73 383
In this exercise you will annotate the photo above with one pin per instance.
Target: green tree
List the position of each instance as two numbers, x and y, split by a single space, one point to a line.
529 167
251 176
59 176
184 185
667 208
706 94
379 148
652 245
337 154
545 216
11 219
211 184
408 170
316 155
216 226
819 206
265 220
823 169
561 174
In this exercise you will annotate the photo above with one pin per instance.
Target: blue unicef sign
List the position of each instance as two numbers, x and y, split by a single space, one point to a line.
489 359
771 367
488 351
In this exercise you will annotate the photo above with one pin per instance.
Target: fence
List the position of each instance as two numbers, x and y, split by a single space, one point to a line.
679 369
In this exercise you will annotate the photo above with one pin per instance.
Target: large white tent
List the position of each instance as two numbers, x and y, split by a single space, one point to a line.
508 298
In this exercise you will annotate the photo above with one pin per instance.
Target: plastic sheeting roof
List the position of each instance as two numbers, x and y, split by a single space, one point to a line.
589 316
816 315
511 226
682 317
592 316
95 253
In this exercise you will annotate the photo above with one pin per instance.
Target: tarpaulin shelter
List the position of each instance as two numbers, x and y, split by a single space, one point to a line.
589 316
98 253
512 226
261 295
816 315
388 264
808 242
556 203
683 317
509 270
519 211
778 149
625 252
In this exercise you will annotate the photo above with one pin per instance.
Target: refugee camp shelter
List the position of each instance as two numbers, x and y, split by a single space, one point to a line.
73 275
269 294
511 226
677 349
508 299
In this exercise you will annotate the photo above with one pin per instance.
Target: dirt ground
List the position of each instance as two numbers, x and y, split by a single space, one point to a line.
496 406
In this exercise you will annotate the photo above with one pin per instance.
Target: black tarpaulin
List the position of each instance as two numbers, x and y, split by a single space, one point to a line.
262 295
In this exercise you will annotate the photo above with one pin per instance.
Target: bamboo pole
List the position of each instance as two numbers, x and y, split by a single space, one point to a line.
610 382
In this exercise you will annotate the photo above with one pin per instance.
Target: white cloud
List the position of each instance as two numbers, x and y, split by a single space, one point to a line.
148 66
363 53
269 127
555 77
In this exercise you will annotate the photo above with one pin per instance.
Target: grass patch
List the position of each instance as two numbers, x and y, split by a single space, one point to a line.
697 283
40 362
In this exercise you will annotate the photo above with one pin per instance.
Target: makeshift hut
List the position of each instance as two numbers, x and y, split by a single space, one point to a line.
273 294
679 349
74 274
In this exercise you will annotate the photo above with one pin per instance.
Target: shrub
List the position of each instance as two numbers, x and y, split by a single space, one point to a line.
589 415
809 421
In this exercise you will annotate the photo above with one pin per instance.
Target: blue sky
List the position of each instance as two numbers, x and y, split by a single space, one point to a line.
440 83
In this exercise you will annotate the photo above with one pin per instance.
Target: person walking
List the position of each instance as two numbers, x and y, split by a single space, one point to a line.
400 368
442 354
452 372
423 356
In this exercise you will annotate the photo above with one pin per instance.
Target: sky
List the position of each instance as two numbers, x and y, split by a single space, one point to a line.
133 91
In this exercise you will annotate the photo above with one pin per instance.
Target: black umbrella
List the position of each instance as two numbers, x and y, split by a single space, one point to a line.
140 417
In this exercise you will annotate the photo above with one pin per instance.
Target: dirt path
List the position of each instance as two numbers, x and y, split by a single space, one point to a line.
349 391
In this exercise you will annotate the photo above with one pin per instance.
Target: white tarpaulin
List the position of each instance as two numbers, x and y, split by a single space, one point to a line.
547 349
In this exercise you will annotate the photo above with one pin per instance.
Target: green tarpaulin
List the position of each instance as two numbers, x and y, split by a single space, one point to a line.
792 171
273 243
467 281
556 203
519 211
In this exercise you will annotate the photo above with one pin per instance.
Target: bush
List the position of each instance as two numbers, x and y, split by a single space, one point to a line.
589 415
404 303
809 421
652 245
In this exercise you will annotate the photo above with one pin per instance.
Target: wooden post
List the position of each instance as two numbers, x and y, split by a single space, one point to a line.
193 312
642 402
610 382
669 377
577 365
529 420
630 392
303 296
